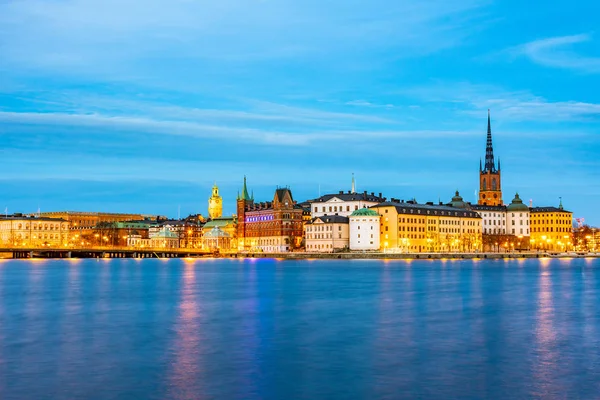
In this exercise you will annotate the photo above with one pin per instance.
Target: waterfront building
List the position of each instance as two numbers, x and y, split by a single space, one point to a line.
327 234
24 231
503 226
518 218
163 239
412 227
189 232
490 186
216 239
551 228
215 203
272 226
82 220
364 225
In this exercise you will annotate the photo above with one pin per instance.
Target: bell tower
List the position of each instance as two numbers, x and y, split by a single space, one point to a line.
215 203
490 187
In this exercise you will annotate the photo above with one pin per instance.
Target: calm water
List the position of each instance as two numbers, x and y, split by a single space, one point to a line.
267 329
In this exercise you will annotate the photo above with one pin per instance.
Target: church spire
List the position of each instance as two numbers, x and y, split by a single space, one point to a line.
353 184
489 149
245 195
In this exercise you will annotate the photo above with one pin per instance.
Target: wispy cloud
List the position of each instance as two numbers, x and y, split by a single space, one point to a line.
125 36
146 125
510 105
557 52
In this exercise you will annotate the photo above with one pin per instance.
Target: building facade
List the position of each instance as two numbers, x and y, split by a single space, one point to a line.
413 227
551 228
490 185
274 226
215 203
343 203
223 236
327 234
364 227
79 219
23 231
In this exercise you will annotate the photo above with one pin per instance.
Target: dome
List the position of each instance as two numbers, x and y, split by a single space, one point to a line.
457 201
517 204
364 212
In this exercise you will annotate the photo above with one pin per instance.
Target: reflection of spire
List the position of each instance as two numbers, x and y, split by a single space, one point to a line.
353 184
489 149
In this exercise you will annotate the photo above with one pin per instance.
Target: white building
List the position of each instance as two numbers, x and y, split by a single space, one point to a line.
517 218
364 229
343 204
327 234
513 219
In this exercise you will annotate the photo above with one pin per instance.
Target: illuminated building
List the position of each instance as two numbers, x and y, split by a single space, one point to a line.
551 228
23 231
83 220
412 227
490 188
215 231
215 203
364 230
217 239
327 234
272 226
163 239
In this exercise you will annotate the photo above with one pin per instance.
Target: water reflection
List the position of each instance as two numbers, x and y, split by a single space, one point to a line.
186 375
545 333
292 329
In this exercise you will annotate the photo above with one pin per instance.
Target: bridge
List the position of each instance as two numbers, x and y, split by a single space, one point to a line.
96 252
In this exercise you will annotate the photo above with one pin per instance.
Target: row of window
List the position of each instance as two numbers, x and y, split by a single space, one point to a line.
40 226
551 221
315 236
334 209
551 229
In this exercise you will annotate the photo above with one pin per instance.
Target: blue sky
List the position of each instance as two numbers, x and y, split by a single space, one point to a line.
130 106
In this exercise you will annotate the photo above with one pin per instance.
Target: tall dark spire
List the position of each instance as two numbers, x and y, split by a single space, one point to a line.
489 149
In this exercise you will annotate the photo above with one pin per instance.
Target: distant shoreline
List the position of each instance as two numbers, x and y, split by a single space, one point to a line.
412 256
296 255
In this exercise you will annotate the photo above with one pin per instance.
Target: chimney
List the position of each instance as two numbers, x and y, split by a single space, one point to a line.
380 195
341 192
372 193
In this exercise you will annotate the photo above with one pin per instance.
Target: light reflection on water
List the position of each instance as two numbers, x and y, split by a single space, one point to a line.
260 329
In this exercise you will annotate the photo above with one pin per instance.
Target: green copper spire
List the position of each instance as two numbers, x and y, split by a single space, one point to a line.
560 206
245 195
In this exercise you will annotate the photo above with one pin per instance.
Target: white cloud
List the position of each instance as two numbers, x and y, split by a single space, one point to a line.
556 52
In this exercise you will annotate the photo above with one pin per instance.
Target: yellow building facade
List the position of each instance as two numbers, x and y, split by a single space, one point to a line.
88 220
411 227
551 229
34 232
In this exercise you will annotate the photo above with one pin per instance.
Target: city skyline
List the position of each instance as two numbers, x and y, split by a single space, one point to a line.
396 94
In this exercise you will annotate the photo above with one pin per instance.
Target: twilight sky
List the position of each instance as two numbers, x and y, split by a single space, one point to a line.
138 106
